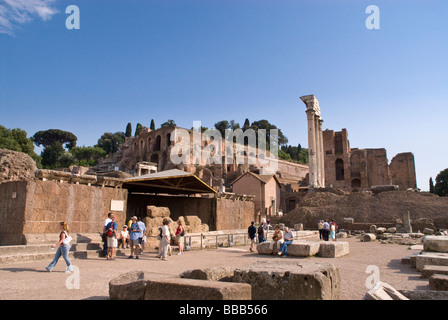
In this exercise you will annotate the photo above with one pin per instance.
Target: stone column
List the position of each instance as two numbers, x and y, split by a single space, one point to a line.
315 142
322 154
312 148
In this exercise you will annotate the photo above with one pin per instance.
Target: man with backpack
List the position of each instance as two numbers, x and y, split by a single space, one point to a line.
111 233
262 231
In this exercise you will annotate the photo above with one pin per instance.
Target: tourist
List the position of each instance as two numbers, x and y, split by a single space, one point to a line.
63 246
277 238
124 240
141 236
320 228
180 232
133 238
104 237
288 238
262 231
112 243
252 231
333 227
325 230
166 238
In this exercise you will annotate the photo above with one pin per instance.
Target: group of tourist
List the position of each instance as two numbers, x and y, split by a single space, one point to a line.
281 239
131 236
327 230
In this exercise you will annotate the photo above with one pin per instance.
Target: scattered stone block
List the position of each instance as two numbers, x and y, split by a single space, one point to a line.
436 243
430 270
298 227
303 248
406 260
438 282
367 237
380 230
213 274
392 230
157 212
428 231
192 289
425 294
267 247
291 280
373 228
341 235
384 291
428 259
333 249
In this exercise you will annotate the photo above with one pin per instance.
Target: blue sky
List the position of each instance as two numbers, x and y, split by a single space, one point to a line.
210 60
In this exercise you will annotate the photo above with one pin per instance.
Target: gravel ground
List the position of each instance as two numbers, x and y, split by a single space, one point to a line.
29 281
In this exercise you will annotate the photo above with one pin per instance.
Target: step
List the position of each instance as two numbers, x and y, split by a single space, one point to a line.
438 282
30 257
429 270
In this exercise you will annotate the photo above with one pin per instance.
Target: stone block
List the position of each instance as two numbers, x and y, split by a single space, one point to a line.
427 259
425 294
438 282
213 274
429 270
291 280
156 212
380 230
303 248
267 247
384 291
333 249
367 237
139 285
298 227
192 289
435 243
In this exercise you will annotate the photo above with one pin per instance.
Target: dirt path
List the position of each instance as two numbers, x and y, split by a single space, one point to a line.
29 281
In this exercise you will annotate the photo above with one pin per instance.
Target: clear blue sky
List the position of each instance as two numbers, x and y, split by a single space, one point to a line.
210 60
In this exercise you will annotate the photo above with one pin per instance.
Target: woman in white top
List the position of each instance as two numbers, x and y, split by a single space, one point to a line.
166 238
63 246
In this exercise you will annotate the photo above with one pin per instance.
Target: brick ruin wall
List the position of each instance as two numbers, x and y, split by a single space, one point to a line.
34 208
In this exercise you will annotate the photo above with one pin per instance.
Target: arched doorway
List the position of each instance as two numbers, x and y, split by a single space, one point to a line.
339 167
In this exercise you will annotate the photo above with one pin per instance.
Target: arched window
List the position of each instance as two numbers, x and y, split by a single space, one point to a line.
158 142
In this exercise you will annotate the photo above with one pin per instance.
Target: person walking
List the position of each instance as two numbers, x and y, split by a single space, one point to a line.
112 242
63 246
288 238
133 238
180 232
166 238
251 234
141 236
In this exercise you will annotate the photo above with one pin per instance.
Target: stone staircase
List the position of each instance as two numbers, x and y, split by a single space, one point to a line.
85 246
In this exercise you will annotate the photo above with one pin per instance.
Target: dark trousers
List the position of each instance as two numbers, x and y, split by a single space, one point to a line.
321 233
325 234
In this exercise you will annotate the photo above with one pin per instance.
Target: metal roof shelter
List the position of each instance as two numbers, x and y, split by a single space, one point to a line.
168 182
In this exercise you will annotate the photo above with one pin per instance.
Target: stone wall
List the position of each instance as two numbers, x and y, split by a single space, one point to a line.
217 213
36 207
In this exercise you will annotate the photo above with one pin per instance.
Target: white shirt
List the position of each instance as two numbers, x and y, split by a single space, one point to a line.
166 232
106 222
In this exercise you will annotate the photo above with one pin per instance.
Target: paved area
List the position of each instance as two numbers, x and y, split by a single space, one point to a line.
26 281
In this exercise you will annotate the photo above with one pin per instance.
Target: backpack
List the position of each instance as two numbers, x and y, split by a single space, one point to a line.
260 230
110 229
183 232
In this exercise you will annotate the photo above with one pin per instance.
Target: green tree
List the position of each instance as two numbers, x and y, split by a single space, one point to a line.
17 140
110 142
169 123
53 140
138 129
246 124
152 126
49 137
87 156
441 186
431 185
128 132
264 124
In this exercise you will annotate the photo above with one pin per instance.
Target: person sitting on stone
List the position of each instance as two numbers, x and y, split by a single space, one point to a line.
277 238
288 238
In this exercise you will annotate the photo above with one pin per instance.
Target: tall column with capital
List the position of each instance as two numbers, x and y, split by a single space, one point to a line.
322 154
312 161
315 142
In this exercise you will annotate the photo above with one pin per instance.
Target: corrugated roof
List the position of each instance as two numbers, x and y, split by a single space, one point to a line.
173 181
